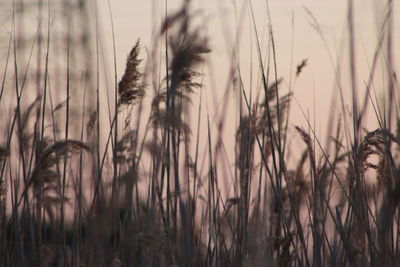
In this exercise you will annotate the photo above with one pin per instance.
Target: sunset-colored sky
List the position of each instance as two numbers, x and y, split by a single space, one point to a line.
295 26
295 35
303 29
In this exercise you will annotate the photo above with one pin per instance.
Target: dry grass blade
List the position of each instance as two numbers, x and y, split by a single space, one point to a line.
4 152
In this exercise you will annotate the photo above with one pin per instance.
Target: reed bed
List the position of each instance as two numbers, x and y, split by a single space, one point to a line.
139 192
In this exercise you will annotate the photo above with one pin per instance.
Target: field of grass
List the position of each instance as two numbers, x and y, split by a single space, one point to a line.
147 182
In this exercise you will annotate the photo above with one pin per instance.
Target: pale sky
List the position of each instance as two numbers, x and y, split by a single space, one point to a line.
138 19
225 20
